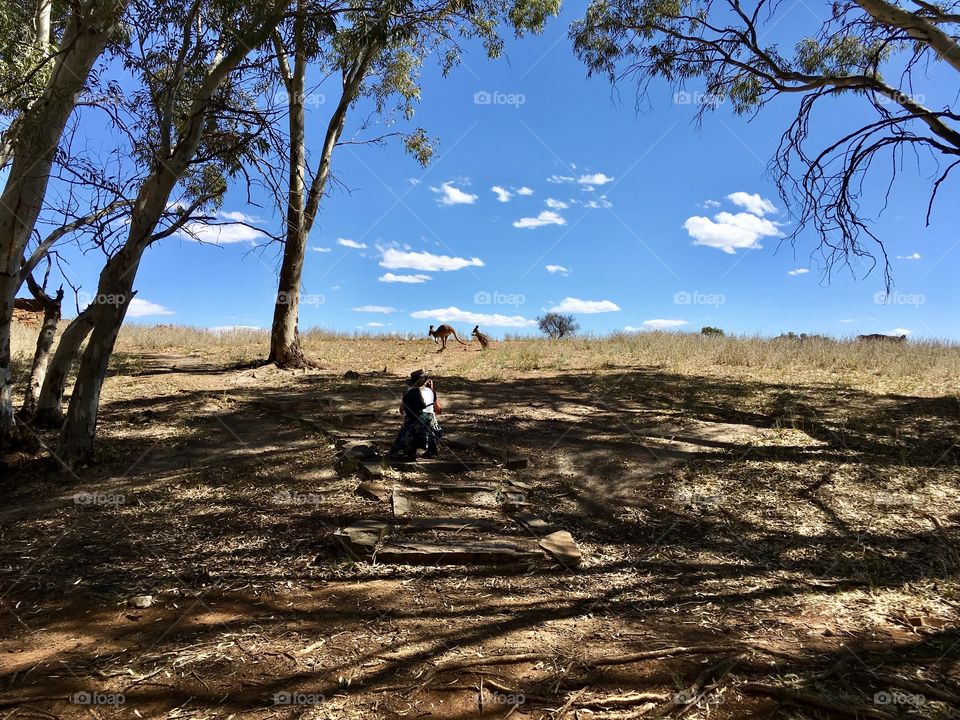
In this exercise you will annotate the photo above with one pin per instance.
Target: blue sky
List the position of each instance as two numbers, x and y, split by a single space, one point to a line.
549 190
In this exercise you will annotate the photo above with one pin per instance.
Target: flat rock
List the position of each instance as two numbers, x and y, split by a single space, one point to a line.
455 524
534 524
466 553
140 602
440 466
561 546
517 462
358 450
362 537
374 490
372 469
401 504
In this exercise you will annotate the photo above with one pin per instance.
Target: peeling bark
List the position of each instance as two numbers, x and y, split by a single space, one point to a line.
34 148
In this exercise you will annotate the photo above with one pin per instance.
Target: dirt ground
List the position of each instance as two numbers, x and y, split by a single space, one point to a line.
750 550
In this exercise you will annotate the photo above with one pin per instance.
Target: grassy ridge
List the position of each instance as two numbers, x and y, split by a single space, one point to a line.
927 367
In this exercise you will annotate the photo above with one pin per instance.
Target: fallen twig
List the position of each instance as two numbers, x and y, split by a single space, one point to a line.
799 697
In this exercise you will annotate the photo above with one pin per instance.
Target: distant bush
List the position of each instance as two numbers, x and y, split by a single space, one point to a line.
556 326
710 330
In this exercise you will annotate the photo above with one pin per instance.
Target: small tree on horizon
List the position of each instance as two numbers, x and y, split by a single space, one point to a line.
556 326
710 330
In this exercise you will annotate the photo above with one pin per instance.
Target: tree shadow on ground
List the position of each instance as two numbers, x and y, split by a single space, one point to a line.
809 534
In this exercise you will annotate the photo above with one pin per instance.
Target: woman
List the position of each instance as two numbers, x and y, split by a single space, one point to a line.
419 408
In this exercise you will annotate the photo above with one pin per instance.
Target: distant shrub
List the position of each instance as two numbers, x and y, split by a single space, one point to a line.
556 326
710 330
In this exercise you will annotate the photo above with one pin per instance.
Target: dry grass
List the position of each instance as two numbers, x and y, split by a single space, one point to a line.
916 367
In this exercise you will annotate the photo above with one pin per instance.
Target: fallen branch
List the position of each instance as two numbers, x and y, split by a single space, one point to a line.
666 653
599 662
917 687
799 697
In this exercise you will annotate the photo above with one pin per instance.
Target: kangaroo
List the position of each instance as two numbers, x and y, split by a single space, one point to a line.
484 339
441 334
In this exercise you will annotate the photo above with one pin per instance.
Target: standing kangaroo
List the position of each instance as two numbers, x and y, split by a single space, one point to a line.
484 339
441 334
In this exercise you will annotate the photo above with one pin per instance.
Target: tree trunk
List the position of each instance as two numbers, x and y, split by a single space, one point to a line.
80 424
301 211
118 276
34 148
285 348
41 357
50 404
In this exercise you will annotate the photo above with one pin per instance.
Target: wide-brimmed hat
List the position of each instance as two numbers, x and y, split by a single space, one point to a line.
418 377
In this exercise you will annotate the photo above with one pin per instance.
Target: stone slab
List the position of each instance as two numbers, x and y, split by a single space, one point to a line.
374 490
401 504
362 537
535 525
466 553
561 546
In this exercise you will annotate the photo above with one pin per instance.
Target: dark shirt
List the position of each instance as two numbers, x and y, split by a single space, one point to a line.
413 403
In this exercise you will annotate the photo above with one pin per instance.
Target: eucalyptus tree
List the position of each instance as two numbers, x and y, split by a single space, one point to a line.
375 53
194 65
41 97
879 53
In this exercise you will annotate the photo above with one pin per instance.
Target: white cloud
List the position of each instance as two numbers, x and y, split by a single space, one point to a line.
455 314
237 216
556 204
144 308
227 234
602 202
912 256
524 190
321 249
391 278
450 195
399 260
660 324
385 309
798 271
710 204
586 307
595 179
347 242
546 217
503 195
752 203
555 269
730 232
559 179
899 331
374 324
